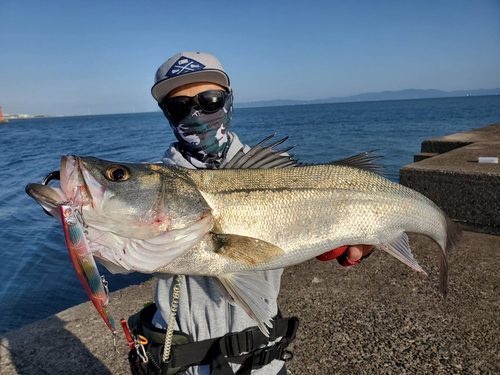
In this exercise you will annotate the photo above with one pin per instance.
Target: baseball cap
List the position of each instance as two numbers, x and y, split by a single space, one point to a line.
188 67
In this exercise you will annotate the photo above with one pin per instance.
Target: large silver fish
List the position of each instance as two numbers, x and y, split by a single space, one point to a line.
229 223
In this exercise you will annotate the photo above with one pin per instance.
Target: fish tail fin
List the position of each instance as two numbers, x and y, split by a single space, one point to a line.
453 235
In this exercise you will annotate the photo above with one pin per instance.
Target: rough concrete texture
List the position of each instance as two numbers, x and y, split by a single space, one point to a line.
465 189
423 156
436 146
450 142
379 317
74 341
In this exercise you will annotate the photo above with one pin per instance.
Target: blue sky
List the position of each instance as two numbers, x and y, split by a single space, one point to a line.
69 57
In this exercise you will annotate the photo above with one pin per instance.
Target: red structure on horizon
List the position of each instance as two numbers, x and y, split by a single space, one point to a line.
1 112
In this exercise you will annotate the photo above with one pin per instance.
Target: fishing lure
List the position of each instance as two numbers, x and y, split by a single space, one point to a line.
84 263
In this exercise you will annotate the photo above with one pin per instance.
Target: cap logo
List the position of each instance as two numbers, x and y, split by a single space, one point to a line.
184 65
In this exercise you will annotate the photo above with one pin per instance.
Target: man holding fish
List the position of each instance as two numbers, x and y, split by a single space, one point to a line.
195 95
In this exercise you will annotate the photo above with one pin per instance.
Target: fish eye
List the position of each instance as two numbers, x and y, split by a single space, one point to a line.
117 173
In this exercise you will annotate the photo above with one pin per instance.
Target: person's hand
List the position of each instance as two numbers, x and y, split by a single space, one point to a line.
356 252
348 255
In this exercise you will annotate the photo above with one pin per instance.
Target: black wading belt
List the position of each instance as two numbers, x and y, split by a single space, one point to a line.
215 352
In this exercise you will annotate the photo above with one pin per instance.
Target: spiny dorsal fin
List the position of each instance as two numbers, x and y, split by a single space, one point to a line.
262 157
246 250
362 161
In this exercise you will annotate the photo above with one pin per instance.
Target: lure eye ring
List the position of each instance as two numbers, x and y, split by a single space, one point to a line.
118 173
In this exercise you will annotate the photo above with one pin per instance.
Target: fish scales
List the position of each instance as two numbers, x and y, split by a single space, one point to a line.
325 207
314 176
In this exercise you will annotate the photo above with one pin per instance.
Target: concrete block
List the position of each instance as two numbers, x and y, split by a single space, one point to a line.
469 192
423 156
451 142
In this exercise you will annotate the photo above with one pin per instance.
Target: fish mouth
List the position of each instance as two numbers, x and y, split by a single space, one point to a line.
77 182
74 180
48 197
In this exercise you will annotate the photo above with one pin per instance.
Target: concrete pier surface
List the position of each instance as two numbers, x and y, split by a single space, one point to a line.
379 317
447 172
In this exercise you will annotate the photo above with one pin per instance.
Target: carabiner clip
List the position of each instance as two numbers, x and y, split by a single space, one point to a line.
141 352
142 340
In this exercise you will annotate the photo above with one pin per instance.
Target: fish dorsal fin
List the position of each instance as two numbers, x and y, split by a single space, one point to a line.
262 157
362 161
400 249
245 250
251 292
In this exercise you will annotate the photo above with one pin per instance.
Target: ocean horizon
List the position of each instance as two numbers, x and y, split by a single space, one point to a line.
271 103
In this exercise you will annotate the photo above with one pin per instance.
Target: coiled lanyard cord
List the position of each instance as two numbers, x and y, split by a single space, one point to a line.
171 320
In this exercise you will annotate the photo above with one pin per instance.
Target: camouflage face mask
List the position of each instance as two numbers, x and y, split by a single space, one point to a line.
203 137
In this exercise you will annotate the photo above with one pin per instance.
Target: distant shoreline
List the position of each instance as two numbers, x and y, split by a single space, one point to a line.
25 117
278 103
375 97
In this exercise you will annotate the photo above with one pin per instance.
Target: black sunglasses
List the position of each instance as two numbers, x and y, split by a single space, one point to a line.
179 107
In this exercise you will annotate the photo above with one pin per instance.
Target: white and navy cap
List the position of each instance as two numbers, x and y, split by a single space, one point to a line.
188 67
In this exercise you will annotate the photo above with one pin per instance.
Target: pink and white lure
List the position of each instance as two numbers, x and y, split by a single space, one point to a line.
84 263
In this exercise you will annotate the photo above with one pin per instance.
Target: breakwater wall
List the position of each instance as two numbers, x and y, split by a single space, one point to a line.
448 172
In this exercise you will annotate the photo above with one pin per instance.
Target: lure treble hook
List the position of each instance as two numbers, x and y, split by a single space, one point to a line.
56 175
115 345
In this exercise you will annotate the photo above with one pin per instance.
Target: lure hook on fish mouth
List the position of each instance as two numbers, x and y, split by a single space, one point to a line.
56 175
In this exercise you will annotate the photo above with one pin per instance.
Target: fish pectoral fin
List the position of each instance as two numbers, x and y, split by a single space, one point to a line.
224 292
400 249
250 291
246 250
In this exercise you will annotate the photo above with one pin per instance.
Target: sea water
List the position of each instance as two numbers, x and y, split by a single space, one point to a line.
36 274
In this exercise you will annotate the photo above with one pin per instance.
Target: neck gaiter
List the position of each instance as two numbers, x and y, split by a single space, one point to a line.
203 137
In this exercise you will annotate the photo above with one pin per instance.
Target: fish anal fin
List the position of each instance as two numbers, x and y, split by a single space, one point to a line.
400 249
250 291
245 250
